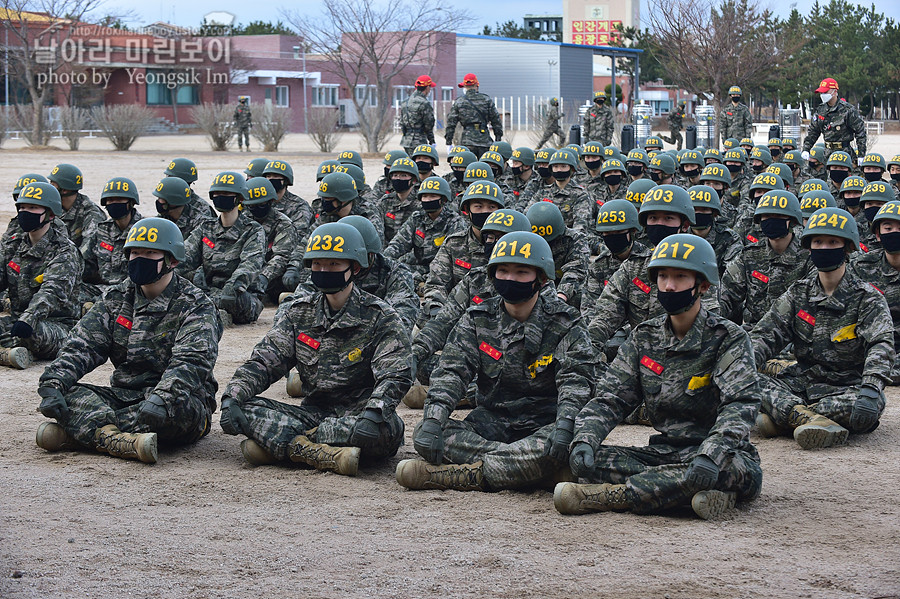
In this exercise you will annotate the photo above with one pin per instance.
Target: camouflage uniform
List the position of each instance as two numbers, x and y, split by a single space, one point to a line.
231 258
570 255
106 258
166 346
600 270
419 239
735 196
416 122
838 125
531 373
735 121
841 342
298 210
281 242
675 121
460 252
242 122
875 270
356 359
598 124
701 394
552 127
574 203
397 211
534 188
81 222
726 244
358 209
517 188
192 217
42 282
202 205
474 111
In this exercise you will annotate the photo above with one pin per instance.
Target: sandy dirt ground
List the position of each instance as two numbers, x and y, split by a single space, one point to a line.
201 523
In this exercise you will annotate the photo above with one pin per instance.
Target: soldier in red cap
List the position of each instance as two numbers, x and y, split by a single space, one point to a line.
474 111
837 121
417 116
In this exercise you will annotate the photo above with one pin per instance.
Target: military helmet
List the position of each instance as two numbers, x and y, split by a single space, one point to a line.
716 172
851 183
637 155
667 198
813 200
542 156
393 155
156 233
734 90
817 153
523 247
453 151
767 182
327 167
746 141
354 171
780 202
405 165
664 163
783 171
794 157
339 186
600 94
564 156
525 155
507 220
704 196
365 227
575 149
889 211
593 148
41 194
254 168
493 158
260 191
617 215
279 167
350 157
894 161
839 158
735 155
691 157
173 191
67 176
831 221
653 142
813 185
482 190
422 150
685 251
762 154
612 152
336 240
637 191
613 164
877 191
874 159
731 142
546 220
185 169
25 180
478 171
119 187
437 186
230 182
774 141
503 148
463 159
712 153
788 142
554 102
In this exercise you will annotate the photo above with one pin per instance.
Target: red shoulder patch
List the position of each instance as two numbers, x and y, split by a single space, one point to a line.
806 317
106 246
653 365
390 215
463 263
208 242
420 233
752 238
14 266
124 322
476 299
304 338
496 354
760 276
641 285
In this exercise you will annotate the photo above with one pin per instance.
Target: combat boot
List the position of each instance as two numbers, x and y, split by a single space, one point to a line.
256 454
53 437
814 431
574 498
16 357
415 397
419 474
767 428
130 446
710 505
293 385
342 460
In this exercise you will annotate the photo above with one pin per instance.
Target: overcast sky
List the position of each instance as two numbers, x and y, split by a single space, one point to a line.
191 13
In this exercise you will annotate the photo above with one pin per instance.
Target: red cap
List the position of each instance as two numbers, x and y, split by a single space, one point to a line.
424 81
827 84
469 79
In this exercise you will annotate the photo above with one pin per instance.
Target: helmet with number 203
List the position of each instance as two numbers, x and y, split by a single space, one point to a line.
523 247
336 240
832 221
156 233
686 251
667 198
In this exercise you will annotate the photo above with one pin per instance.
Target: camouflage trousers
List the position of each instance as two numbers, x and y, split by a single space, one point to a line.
243 307
654 475
49 335
243 137
550 132
779 396
513 454
274 425
92 407
674 137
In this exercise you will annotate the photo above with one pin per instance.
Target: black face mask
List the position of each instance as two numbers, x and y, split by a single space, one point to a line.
30 221
734 168
515 292
561 175
497 172
655 175
328 206
838 176
756 198
489 248
225 203
431 205
775 152
656 233
735 99
544 172
870 212
330 282
458 175
387 172
613 179
117 211
401 185
424 166
676 302
704 221
617 243
828 260
162 208
852 202
814 166
891 242
278 184
516 170
774 228
144 271
876 176
758 168
895 176
478 218
721 192
689 173
260 210
634 171
593 165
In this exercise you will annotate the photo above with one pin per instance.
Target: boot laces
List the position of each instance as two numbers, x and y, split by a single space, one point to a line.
458 477
607 495
118 443
315 453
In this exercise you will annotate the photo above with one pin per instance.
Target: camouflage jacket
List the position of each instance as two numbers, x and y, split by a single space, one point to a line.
517 188
758 276
281 242
840 123
675 119
570 256
460 252
107 252
192 217
726 244
242 116
42 279
599 273
355 359
699 391
735 121
202 205
474 111
81 222
419 239
397 211
229 257
574 203
843 339
552 119
167 346
416 121
598 124
359 208
536 187
874 269
531 372
299 211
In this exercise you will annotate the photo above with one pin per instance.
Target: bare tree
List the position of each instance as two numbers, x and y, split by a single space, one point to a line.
72 120
270 125
368 45
323 128
215 122
122 124
23 120
4 123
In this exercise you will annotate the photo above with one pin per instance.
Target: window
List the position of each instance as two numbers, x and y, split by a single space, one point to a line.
366 94
325 95
162 84
447 94
282 96
402 92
